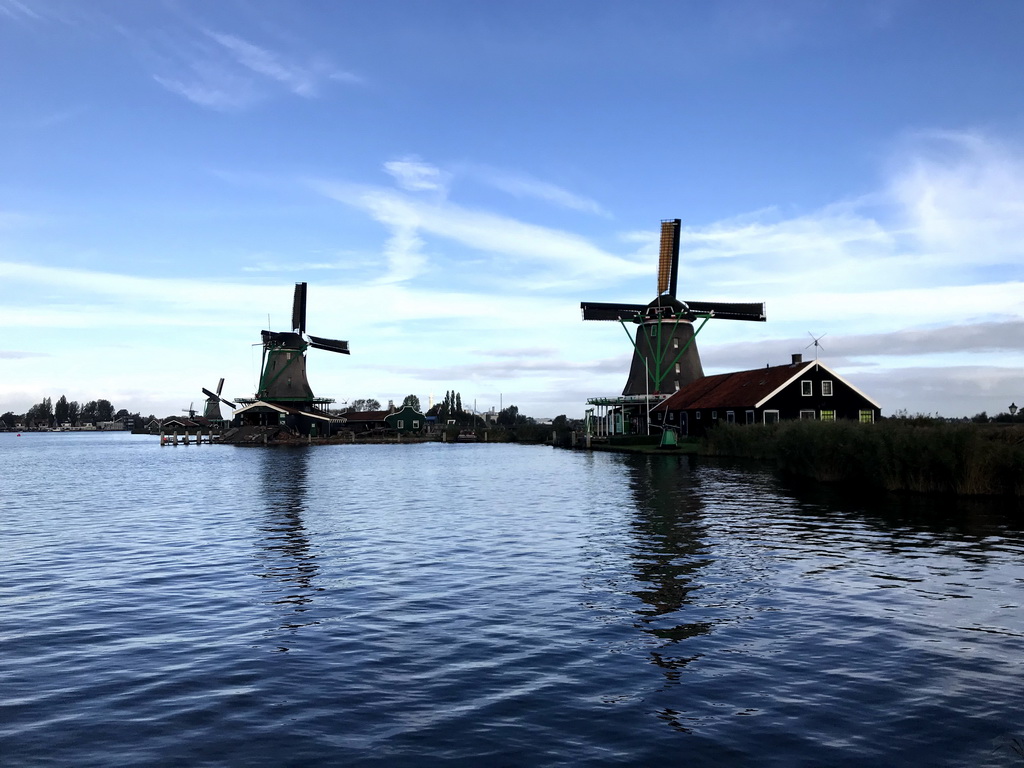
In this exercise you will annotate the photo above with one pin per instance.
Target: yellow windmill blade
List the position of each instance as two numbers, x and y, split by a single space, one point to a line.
668 258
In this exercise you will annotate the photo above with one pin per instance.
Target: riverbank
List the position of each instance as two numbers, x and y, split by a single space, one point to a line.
920 456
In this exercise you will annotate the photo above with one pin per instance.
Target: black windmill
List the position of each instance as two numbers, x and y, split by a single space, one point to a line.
665 356
213 401
283 380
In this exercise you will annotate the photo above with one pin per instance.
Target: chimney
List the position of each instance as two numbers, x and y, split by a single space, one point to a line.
798 358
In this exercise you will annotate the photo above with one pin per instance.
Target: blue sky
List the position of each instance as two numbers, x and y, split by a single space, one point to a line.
453 178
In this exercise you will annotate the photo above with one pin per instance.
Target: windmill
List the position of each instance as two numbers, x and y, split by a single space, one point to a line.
665 354
213 401
283 377
190 410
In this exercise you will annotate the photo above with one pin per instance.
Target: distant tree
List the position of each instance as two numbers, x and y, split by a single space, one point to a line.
365 404
9 419
60 410
508 417
560 422
413 401
104 410
88 413
122 414
458 402
980 418
74 412
40 413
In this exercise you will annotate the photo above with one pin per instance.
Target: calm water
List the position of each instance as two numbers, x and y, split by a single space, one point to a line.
490 605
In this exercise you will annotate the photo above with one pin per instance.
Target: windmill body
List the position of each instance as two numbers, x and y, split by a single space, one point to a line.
665 356
213 401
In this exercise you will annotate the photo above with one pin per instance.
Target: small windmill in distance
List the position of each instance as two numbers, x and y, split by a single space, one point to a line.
213 401
816 343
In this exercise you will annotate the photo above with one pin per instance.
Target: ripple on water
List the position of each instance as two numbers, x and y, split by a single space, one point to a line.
440 604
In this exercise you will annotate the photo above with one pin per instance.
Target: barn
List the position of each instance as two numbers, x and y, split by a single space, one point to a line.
798 390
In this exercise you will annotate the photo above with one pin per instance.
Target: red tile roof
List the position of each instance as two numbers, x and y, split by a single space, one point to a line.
365 415
740 389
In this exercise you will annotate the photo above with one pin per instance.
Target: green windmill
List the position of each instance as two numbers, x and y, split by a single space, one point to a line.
665 356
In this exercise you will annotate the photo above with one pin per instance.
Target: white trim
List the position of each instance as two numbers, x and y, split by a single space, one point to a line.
799 372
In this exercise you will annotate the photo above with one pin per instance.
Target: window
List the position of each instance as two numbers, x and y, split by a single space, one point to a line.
828 415
415 423
730 417
750 417
714 414
401 423
677 367
867 417
677 385
806 414
675 343
698 415
771 417
806 387
671 417
826 387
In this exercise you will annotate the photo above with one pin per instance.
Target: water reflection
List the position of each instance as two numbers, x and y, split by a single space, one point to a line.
668 555
285 550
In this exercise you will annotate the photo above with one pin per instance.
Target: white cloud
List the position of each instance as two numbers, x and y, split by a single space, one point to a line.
300 80
228 73
561 256
414 175
522 185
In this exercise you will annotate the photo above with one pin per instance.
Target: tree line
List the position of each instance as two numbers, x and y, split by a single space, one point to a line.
47 414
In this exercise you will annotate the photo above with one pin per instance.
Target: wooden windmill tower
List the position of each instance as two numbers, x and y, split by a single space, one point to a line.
665 356
283 379
213 401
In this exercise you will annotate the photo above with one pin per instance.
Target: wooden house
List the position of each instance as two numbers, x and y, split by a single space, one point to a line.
364 421
406 420
799 390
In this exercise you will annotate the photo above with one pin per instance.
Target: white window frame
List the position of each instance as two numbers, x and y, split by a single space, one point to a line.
415 423
714 415
806 387
773 413
808 414
751 417
730 417
826 387
400 423
827 414
870 416
698 416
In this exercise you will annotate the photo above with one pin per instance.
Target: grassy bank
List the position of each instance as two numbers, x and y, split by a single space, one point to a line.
896 455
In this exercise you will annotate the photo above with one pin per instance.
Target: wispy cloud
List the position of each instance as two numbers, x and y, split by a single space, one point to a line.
14 354
562 256
525 186
226 72
413 175
15 9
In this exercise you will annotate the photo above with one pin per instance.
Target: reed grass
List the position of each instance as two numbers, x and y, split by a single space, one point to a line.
918 455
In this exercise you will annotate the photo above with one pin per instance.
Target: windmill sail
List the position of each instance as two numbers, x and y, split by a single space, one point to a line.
331 345
299 309
668 257
599 310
